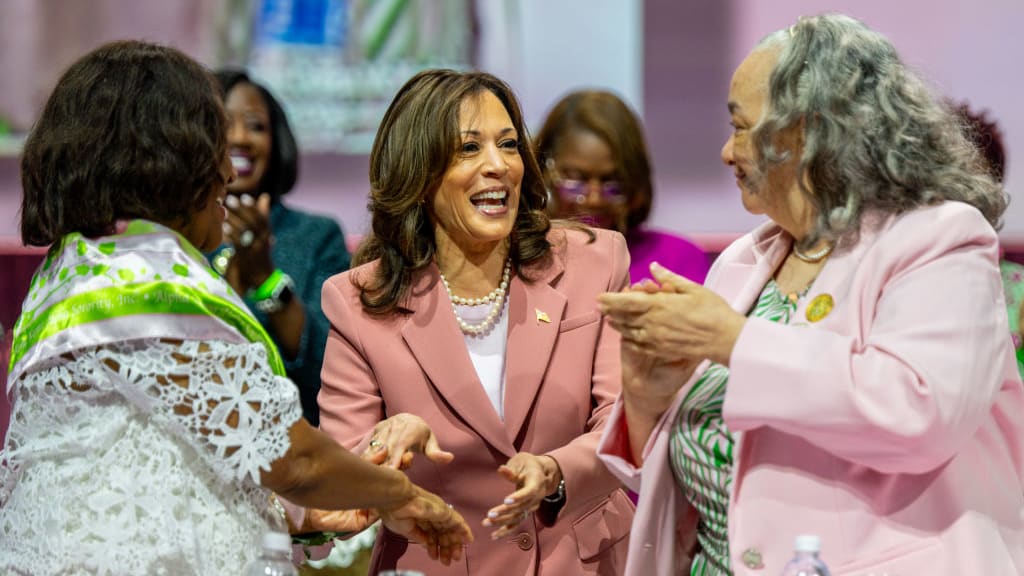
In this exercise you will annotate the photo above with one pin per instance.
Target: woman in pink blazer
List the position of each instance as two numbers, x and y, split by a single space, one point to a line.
847 371
470 335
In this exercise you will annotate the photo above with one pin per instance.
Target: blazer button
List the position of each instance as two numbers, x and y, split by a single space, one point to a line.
524 541
752 559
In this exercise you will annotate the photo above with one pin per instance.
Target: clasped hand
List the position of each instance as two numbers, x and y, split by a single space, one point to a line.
672 319
396 440
424 518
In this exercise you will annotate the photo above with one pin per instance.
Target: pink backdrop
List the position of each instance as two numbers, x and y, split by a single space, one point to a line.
970 51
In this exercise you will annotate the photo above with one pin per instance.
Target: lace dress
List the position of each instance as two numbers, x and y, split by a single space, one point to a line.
142 457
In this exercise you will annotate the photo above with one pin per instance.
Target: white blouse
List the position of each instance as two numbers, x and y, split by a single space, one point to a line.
143 458
487 351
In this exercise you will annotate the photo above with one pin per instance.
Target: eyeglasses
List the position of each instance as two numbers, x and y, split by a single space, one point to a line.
577 191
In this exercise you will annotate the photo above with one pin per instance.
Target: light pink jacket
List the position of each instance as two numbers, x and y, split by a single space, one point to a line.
892 428
562 375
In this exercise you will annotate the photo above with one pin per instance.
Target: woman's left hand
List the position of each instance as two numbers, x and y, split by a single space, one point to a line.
683 321
535 477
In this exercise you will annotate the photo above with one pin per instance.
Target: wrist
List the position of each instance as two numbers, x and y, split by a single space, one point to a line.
723 353
274 293
553 475
646 405
407 491
257 278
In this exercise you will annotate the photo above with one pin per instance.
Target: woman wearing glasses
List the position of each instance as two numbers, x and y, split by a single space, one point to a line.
592 149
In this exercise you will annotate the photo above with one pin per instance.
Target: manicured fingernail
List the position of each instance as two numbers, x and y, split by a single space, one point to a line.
492 514
487 522
510 501
231 201
247 200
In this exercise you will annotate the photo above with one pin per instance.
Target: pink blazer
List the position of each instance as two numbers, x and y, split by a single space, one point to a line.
562 377
892 428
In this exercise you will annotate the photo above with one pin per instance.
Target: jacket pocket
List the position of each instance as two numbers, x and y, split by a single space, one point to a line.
579 321
603 526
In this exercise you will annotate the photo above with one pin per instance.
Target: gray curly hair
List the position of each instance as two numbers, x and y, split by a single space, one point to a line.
875 138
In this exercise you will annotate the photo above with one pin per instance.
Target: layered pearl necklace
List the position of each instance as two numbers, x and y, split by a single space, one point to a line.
496 299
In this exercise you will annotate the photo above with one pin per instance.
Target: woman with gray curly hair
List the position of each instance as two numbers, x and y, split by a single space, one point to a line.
847 369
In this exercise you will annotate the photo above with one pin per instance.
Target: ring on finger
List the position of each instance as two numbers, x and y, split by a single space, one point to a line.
246 238
376 444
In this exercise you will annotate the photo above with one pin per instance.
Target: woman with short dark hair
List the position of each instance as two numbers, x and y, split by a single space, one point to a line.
151 416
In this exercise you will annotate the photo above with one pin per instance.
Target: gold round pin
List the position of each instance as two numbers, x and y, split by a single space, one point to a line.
820 307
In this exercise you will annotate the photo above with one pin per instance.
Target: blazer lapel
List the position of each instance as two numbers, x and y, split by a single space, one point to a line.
535 312
740 282
436 341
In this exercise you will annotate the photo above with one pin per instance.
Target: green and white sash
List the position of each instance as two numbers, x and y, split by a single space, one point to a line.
146 281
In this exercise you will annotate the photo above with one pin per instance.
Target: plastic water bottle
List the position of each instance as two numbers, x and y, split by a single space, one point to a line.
806 562
275 559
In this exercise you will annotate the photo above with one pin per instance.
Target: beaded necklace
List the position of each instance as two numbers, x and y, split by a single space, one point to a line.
496 299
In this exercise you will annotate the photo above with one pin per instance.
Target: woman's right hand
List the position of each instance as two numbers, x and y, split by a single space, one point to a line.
426 519
680 321
397 439
647 380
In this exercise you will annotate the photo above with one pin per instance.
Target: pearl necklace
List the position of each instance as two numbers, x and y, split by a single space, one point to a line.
496 298
813 256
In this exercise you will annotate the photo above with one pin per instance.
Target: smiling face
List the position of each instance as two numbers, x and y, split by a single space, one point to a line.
249 138
775 191
476 204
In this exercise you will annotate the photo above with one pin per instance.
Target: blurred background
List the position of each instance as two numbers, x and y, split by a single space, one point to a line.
336 64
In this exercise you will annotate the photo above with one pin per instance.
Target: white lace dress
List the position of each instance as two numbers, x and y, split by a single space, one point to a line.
143 458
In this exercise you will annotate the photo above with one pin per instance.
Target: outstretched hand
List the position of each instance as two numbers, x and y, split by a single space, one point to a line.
534 478
427 520
338 520
396 440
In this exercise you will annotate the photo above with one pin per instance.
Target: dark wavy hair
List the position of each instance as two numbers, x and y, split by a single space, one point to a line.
605 115
875 136
283 166
416 142
132 130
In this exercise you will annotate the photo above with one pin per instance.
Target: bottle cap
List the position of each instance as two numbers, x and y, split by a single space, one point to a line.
277 541
807 543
